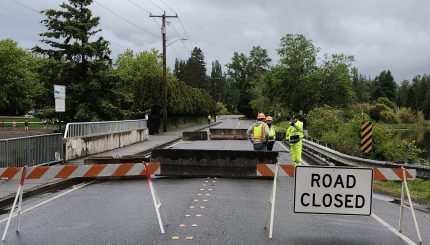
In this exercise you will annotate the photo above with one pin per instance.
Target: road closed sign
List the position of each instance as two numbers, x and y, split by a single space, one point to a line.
333 190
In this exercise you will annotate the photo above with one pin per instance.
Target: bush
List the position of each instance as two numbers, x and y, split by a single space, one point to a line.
406 115
387 102
382 113
420 118
324 119
221 109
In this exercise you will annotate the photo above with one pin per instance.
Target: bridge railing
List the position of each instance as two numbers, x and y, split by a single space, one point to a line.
87 129
31 150
339 158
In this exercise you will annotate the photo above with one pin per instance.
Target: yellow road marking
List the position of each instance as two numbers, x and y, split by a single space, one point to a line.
175 238
182 225
189 238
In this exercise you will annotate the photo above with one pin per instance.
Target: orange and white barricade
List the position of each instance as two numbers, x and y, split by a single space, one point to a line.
76 171
397 174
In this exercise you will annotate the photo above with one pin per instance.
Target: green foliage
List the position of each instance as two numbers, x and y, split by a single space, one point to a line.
406 115
332 126
385 86
194 73
18 79
221 109
387 102
324 119
84 62
140 91
382 113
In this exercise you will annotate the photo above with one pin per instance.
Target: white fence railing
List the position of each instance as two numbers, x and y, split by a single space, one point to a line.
87 129
31 150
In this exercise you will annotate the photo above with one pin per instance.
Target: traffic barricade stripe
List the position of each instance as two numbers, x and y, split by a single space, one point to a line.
66 171
264 170
123 169
379 173
37 172
95 170
9 173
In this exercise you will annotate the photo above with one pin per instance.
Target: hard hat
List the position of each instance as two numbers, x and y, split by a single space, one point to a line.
269 118
261 116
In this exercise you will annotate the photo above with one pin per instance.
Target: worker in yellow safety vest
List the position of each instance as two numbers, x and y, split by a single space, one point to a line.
294 136
258 133
272 133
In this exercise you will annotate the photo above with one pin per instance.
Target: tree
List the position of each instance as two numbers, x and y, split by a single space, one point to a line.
18 80
195 70
139 83
85 62
385 86
217 81
180 68
298 58
335 84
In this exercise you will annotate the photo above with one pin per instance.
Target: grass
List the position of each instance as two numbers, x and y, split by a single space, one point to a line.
34 122
419 189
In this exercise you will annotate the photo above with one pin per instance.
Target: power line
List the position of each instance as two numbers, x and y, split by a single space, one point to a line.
124 19
186 34
182 41
165 4
139 6
156 5
25 6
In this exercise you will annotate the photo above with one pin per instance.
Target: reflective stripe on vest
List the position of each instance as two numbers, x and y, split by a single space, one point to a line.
259 133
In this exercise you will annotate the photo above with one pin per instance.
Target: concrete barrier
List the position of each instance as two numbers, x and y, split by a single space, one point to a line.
227 134
211 163
84 146
116 160
195 135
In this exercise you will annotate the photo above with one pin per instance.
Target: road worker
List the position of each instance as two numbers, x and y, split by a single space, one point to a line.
258 133
272 133
294 136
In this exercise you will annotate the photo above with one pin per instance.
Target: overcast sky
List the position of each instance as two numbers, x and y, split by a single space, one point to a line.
381 34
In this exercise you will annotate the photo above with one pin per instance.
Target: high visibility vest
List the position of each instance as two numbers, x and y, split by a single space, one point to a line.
272 133
259 133
295 134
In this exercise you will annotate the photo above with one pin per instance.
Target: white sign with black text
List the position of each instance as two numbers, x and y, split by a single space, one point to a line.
60 98
333 190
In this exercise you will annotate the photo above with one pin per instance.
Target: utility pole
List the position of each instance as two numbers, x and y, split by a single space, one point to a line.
163 32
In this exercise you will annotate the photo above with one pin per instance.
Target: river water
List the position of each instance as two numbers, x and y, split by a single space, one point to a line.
421 136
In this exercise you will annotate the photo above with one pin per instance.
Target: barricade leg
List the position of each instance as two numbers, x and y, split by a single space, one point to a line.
157 203
271 213
19 208
18 195
411 207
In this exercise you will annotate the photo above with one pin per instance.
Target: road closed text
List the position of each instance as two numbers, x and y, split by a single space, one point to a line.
333 190
331 199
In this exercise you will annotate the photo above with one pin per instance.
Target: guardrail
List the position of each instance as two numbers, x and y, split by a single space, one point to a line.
87 129
338 158
31 150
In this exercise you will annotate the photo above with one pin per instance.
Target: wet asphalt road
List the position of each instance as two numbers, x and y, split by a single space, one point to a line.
234 212
199 211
